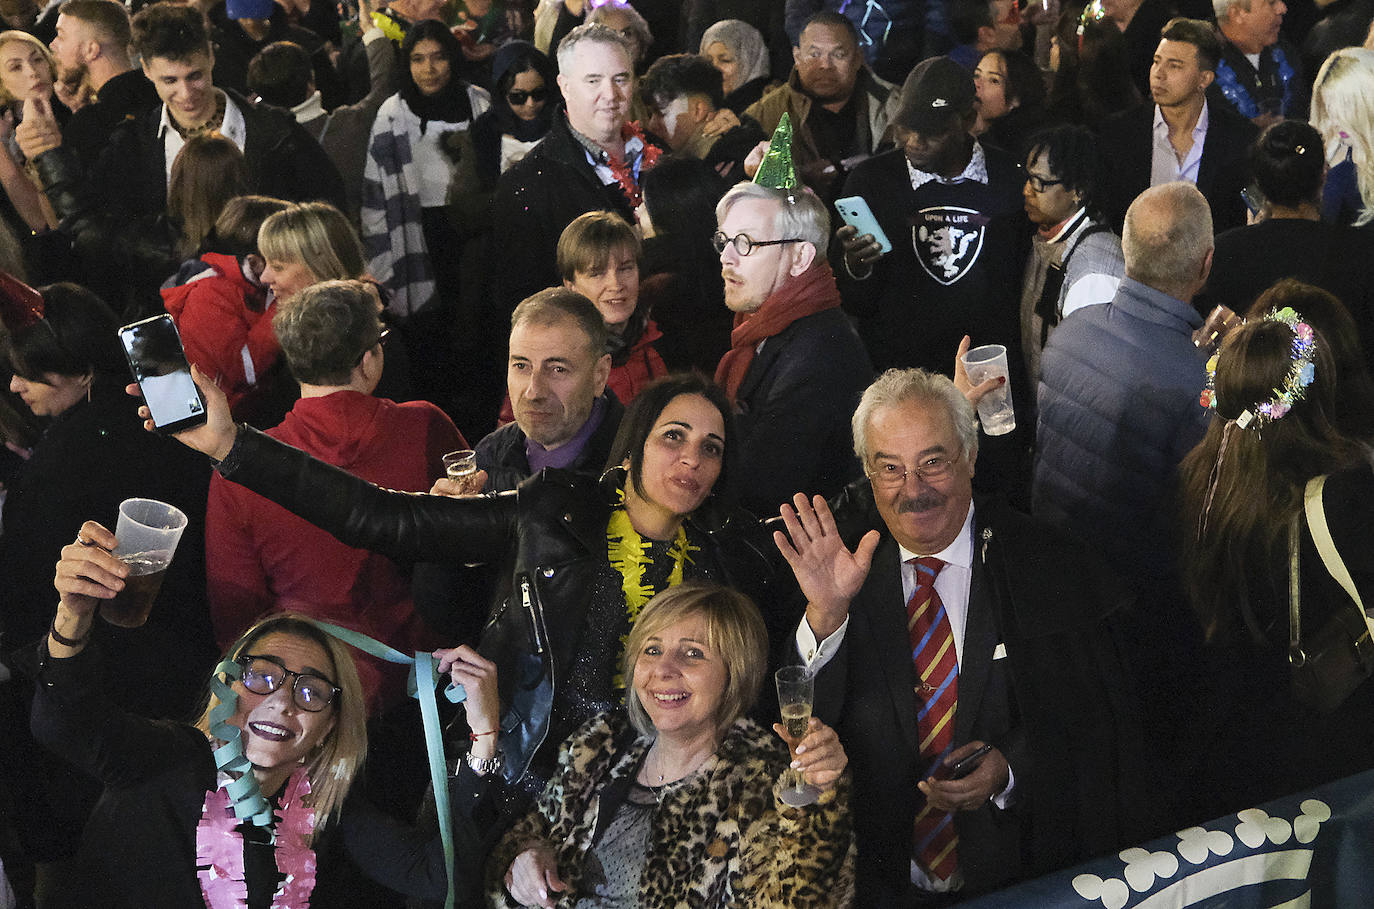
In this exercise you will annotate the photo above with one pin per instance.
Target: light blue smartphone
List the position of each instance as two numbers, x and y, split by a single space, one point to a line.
856 213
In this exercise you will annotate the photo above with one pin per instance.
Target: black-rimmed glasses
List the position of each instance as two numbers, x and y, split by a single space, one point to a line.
266 674
1039 183
745 244
891 475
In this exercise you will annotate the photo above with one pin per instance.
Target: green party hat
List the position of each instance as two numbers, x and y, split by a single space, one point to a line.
776 171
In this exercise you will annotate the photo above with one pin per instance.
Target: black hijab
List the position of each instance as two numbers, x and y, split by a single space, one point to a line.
451 104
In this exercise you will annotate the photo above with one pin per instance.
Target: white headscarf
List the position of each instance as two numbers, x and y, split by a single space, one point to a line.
744 41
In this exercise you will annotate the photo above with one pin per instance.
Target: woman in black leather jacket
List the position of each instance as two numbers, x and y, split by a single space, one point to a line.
579 557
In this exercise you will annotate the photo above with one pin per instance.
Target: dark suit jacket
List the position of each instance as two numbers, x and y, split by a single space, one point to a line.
1056 705
1126 141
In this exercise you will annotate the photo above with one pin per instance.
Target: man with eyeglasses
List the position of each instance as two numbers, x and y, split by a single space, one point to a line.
953 211
945 628
839 109
260 557
795 365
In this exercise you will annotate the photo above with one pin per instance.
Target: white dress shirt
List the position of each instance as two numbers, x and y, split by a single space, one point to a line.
1164 164
233 128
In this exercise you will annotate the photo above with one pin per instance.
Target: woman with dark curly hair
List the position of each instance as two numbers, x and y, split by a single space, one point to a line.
579 557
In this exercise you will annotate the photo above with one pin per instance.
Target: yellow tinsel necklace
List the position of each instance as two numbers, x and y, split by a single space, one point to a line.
629 554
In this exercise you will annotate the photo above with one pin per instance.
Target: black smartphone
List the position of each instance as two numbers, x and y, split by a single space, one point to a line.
158 362
960 768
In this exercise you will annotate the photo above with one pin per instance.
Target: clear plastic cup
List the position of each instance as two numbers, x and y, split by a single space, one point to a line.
148 533
994 410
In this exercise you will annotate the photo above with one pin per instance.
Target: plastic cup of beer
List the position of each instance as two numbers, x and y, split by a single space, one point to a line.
148 532
994 410
460 464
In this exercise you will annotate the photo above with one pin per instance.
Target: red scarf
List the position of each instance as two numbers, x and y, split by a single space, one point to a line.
808 293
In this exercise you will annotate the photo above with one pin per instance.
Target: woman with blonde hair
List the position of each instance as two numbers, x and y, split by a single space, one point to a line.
1343 112
308 243
312 242
186 820
27 73
674 801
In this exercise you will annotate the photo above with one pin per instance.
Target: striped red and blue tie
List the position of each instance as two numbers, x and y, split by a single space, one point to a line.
937 664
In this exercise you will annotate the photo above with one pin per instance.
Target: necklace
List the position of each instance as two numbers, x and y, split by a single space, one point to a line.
662 781
219 849
628 554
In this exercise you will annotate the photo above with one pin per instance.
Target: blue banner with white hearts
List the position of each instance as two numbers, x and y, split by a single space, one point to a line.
1308 849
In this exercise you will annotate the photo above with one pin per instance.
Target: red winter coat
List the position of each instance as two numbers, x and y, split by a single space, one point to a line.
260 557
226 329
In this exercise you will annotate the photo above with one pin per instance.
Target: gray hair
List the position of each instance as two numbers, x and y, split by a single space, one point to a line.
1222 8
324 329
899 386
638 25
804 217
1168 233
596 33
746 43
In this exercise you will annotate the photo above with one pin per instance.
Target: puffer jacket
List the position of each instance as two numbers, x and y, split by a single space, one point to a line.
1119 388
549 537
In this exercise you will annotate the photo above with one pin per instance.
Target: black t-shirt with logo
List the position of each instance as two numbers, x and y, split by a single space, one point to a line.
956 266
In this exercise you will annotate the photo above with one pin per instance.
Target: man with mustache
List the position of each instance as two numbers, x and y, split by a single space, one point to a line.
795 365
937 624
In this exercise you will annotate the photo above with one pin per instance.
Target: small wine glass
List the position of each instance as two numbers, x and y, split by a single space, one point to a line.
796 691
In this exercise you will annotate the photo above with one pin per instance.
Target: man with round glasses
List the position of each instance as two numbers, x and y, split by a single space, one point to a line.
261 558
937 624
796 365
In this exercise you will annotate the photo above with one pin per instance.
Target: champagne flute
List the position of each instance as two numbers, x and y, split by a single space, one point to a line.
796 691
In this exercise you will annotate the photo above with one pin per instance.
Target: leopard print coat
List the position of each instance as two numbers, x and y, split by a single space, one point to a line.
721 840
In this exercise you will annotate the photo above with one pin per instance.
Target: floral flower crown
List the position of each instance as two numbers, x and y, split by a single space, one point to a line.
1300 374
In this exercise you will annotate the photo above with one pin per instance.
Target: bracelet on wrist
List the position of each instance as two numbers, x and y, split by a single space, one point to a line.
474 736
66 641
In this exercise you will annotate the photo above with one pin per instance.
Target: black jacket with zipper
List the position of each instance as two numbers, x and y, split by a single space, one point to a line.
549 537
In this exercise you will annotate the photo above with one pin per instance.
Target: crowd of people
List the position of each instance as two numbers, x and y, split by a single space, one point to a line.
729 258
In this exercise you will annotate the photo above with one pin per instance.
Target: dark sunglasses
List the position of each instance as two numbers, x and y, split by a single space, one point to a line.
517 97
265 674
